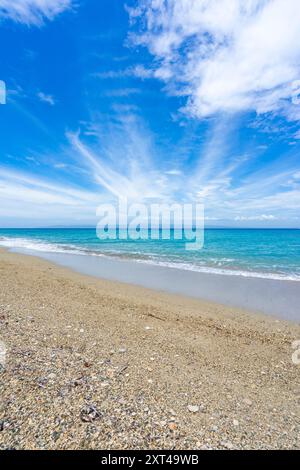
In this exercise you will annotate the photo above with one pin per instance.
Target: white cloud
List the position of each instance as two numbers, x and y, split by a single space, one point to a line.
32 12
46 98
138 71
262 217
26 187
174 172
122 92
225 55
123 160
29 200
124 170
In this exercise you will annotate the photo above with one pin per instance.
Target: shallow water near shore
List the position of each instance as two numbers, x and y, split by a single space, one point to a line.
257 253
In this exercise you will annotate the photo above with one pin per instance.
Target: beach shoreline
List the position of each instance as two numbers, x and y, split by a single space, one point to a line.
278 298
94 363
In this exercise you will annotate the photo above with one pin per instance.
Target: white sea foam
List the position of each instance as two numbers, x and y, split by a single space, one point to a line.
224 271
38 245
42 246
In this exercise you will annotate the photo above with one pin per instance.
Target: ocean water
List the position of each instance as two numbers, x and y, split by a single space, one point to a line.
261 253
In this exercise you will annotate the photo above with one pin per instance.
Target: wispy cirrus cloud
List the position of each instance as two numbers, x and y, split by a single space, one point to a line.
18 185
118 158
33 12
30 200
122 92
49 99
222 181
135 71
260 218
122 162
224 55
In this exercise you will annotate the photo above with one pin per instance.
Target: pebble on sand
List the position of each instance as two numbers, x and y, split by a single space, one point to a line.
193 408
248 402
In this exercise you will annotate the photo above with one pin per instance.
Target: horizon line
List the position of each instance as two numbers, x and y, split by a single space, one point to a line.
53 227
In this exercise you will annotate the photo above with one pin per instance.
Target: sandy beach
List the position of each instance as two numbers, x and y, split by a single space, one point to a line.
95 364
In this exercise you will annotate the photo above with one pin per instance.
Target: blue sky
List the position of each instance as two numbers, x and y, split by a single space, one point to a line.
155 100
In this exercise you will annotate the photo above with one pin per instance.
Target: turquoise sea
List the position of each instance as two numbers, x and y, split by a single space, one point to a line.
267 253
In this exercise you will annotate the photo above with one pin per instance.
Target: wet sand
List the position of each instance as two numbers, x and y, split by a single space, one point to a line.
93 363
